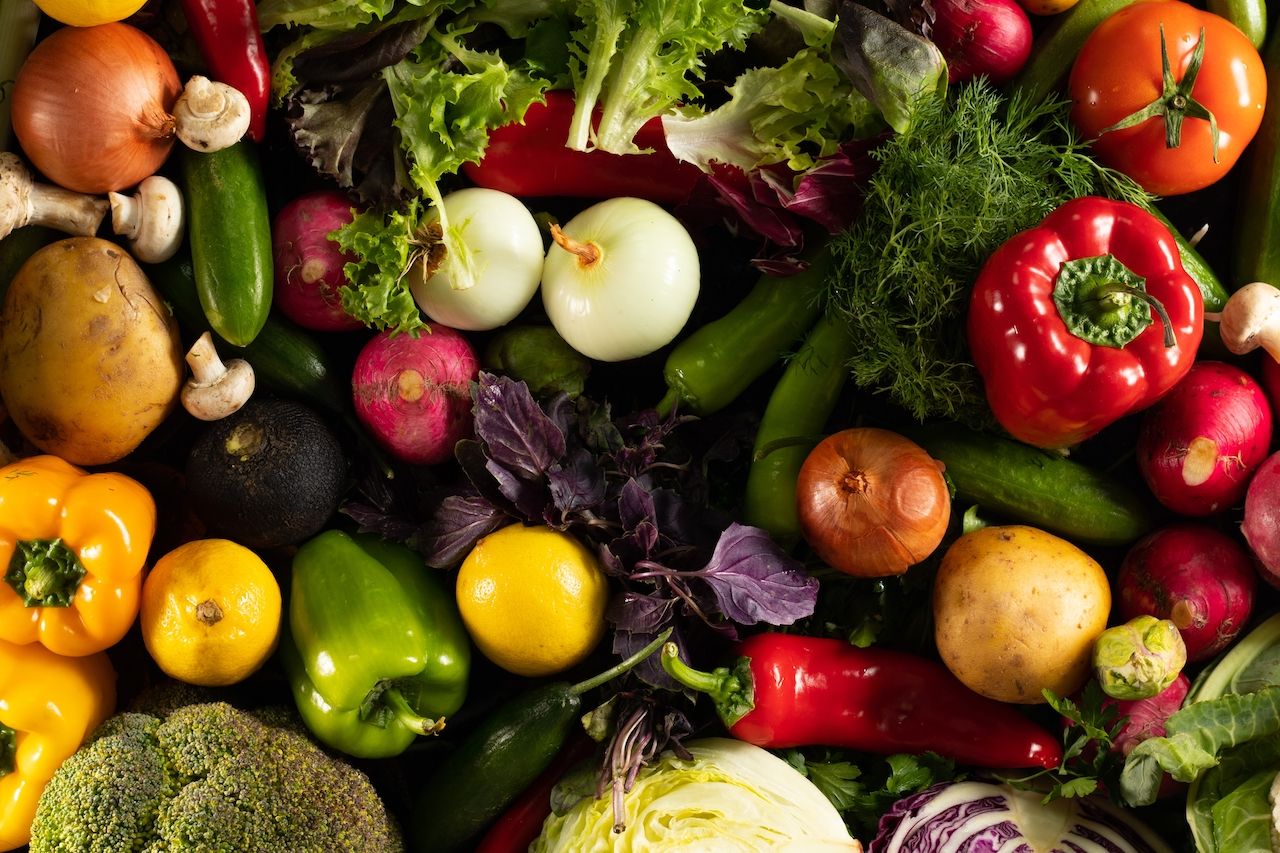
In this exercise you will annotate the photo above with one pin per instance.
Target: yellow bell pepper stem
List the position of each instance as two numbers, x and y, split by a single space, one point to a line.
49 705
72 549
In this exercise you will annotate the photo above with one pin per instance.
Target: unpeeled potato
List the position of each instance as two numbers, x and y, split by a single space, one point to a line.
90 360
1017 610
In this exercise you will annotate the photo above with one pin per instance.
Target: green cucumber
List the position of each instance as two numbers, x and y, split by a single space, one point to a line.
1257 228
1250 16
1211 288
1054 52
285 359
1037 487
229 230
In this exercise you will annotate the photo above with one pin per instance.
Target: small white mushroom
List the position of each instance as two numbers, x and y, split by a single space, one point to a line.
151 219
215 390
24 202
210 116
1251 319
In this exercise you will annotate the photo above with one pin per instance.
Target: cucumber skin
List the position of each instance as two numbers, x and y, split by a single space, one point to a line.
1249 16
229 232
1257 245
1043 489
1054 53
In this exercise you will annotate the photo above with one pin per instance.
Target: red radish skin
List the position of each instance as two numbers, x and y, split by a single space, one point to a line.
1201 579
982 37
1199 446
414 393
308 265
1261 525
1271 378
1147 718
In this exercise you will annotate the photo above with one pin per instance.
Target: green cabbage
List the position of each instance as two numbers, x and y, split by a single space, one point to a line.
731 797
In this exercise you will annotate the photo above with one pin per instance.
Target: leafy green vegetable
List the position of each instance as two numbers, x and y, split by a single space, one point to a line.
1194 738
796 113
385 247
635 59
971 171
1242 819
323 14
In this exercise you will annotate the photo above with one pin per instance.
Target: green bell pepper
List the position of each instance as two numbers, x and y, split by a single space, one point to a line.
375 651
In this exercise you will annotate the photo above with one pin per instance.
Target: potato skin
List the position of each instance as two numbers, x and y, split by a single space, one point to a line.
90 360
1016 610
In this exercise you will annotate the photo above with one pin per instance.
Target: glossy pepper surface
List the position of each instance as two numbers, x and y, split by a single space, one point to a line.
529 158
73 546
227 33
375 651
49 704
789 690
1081 320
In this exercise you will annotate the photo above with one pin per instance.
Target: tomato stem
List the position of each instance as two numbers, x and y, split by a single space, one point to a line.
1175 102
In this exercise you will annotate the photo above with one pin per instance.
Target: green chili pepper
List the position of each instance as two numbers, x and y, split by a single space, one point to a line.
710 368
376 653
798 410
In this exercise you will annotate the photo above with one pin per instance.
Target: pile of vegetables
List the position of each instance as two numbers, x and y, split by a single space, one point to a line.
490 425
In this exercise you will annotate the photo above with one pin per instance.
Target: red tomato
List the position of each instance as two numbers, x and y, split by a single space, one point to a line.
1119 72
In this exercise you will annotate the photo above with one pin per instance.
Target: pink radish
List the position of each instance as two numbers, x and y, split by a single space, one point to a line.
1261 525
1147 716
1201 579
309 265
414 393
1200 444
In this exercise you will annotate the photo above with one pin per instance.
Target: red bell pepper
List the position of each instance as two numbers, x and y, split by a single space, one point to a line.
530 159
1061 322
226 31
789 690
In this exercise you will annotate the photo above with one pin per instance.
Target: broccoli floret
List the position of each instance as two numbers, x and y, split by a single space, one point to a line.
209 777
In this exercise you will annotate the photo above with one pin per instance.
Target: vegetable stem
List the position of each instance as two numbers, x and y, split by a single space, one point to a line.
588 253
408 717
626 665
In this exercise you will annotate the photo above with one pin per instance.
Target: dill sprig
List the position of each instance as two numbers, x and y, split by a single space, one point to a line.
972 170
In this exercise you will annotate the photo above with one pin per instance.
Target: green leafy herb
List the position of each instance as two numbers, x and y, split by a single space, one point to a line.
385 247
970 171
862 788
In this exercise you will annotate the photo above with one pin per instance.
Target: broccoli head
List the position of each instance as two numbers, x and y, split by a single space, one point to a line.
209 777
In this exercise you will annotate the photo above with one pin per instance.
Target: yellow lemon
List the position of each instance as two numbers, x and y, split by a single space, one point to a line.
210 612
533 599
89 13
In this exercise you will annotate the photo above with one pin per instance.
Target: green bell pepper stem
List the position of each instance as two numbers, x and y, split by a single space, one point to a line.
8 750
408 717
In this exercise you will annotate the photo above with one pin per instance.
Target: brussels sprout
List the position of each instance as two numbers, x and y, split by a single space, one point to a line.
1140 658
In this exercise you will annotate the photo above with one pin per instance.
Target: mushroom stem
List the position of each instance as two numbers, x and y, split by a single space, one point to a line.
210 116
215 389
24 202
151 219
1251 319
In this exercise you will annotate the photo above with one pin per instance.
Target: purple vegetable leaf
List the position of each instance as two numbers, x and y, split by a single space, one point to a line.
635 506
650 671
578 483
755 581
528 496
457 525
515 430
475 464
639 613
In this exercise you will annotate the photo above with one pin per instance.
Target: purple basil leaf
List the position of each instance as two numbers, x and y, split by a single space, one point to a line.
528 496
457 525
515 430
610 562
372 519
635 506
688 523
475 464
755 581
578 484
650 671
563 413
639 613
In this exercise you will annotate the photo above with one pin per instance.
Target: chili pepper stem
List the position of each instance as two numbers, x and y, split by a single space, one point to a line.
408 717
732 691
589 254
626 665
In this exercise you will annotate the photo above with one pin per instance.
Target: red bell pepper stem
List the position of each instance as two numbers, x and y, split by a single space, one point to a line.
227 34
788 690
530 159
521 823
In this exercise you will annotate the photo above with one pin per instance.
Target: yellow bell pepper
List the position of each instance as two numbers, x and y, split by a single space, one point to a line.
49 704
74 545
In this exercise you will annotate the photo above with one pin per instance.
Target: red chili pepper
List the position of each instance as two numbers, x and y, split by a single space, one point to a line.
530 159
228 36
1061 326
789 690
521 823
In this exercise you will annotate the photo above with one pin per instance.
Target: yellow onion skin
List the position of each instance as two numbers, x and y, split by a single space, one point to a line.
92 107
872 503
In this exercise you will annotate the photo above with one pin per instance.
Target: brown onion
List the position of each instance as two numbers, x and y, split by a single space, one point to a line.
872 503
92 107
